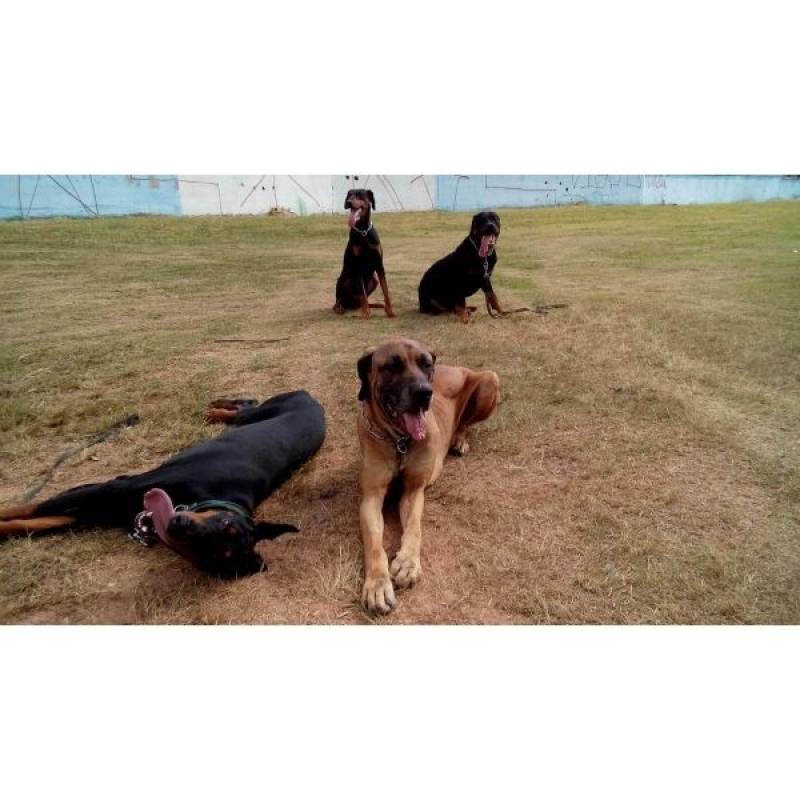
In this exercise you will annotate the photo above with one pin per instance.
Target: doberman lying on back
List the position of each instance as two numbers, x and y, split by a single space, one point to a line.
221 481
362 269
445 287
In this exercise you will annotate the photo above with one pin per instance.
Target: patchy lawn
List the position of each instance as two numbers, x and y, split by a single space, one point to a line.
643 466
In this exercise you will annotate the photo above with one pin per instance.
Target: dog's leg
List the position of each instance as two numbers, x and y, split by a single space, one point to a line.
219 416
406 569
18 512
493 303
17 527
225 410
480 403
364 301
378 593
387 302
462 311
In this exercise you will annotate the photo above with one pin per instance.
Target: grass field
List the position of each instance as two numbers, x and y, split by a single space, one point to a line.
643 467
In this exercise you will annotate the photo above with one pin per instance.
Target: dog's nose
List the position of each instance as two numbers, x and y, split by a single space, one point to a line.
422 394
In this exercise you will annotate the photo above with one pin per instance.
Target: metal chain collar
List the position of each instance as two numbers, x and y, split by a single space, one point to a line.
400 445
144 530
363 233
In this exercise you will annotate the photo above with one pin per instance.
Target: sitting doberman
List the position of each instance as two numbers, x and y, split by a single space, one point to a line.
362 269
201 501
445 287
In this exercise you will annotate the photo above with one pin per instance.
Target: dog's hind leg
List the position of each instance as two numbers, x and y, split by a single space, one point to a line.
481 401
18 512
219 416
225 409
21 527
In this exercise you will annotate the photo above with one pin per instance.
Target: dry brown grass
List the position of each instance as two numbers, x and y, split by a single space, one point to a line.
642 467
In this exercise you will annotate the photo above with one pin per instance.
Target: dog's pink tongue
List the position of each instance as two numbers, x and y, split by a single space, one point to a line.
416 425
483 251
157 502
355 216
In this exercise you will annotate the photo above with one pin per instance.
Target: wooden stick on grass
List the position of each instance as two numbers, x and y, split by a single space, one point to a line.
127 422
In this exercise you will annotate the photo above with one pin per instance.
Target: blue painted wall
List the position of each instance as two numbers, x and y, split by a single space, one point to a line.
689 189
27 196
470 192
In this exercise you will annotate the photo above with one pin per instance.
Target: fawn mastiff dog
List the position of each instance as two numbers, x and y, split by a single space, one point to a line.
413 412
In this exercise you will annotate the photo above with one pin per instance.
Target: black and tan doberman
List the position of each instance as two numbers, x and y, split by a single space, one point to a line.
201 501
362 269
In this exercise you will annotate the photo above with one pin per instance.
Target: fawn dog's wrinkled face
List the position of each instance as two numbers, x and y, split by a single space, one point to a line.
396 377
485 231
218 542
360 202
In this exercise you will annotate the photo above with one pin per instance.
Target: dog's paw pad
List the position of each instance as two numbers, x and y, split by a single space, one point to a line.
378 595
405 571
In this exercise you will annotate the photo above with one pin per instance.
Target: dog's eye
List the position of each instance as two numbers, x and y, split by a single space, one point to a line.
394 364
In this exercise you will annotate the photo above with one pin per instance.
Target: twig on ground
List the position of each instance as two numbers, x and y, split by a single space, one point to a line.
543 309
127 422
258 341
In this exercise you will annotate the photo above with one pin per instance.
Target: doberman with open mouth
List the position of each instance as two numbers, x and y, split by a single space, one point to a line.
445 287
362 269
200 502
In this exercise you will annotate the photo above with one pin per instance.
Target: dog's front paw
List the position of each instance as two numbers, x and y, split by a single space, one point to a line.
378 595
405 571
459 446
390 312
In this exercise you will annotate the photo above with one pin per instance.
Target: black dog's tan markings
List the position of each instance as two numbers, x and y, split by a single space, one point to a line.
240 468
445 287
362 268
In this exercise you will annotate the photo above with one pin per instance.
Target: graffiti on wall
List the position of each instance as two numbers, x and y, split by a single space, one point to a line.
463 192
29 196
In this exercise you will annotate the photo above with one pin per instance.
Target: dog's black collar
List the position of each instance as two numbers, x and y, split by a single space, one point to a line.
218 505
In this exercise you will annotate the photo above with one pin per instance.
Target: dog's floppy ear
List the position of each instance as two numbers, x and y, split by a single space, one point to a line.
347 199
364 368
432 354
269 530
371 197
